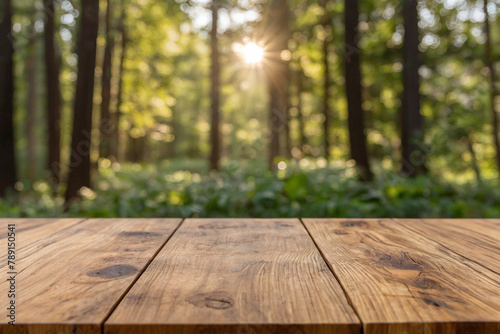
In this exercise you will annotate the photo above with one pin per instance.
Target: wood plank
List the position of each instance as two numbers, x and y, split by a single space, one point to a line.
236 276
28 231
402 282
34 228
70 280
476 239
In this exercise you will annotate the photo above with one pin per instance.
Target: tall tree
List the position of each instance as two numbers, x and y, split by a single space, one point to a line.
53 91
493 91
277 73
79 172
8 174
31 69
300 114
411 119
473 161
288 136
106 124
356 120
136 149
327 27
115 135
215 88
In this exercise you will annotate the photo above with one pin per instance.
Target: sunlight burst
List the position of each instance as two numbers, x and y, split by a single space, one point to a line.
252 53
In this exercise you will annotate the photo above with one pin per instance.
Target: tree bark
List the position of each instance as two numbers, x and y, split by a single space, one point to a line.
79 171
53 92
288 138
8 176
325 22
300 114
356 121
411 119
276 124
106 124
474 163
493 91
31 69
136 149
277 74
174 125
115 135
215 87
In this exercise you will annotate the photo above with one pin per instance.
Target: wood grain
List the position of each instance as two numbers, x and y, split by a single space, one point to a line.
476 239
236 276
71 275
32 229
29 231
400 281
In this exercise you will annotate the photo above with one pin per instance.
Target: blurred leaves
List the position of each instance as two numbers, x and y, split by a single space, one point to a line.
171 189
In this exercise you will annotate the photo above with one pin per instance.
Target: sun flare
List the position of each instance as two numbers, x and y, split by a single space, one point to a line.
252 53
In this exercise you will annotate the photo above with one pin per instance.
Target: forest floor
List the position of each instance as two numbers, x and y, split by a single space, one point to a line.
306 189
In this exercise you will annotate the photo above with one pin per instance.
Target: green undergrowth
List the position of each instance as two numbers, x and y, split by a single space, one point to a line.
248 189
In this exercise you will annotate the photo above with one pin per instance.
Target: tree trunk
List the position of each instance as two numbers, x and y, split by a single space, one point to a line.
31 69
53 92
215 86
172 146
356 122
8 176
474 164
115 135
288 138
493 92
276 124
277 74
130 150
106 125
325 21
136 149
79 171
300 114
411 119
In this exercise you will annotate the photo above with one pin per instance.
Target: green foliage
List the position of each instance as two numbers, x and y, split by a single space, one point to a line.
185 189
166 100
167 68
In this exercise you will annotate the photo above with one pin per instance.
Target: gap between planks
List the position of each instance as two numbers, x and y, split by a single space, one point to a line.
345 317
349 300
59 231
102 327
444 255
139 276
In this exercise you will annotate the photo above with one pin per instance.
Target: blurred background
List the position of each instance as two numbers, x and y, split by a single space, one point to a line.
249 108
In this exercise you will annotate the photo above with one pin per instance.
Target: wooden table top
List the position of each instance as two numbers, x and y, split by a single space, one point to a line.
250 276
